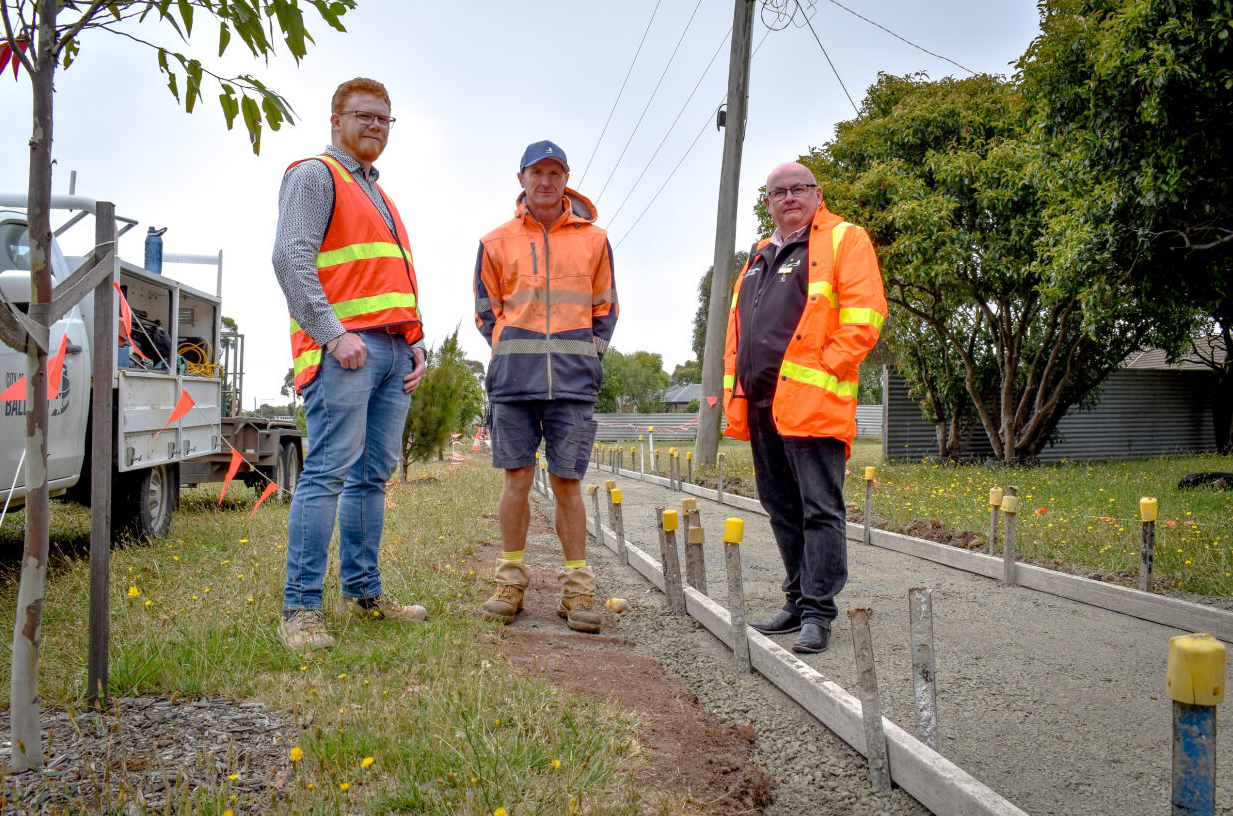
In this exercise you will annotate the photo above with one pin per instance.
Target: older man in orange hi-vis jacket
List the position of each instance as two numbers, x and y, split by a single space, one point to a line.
545 300
805 311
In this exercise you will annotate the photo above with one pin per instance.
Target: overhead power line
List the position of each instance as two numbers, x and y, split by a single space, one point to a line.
688 150
649 101
618 96
904 39
672 127
828 59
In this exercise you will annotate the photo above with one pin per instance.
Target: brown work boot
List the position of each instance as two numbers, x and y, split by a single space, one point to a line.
305 632
382 608
512 580
577 604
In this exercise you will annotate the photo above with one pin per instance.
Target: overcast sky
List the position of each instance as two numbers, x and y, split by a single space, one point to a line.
472 84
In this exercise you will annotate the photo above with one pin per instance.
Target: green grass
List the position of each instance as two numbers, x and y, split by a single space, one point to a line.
450 726
1081 516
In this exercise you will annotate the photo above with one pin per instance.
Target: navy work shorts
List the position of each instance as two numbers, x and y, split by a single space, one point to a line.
565 426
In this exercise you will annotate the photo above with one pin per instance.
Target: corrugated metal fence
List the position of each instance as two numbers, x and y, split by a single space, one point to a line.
1140 413
615 427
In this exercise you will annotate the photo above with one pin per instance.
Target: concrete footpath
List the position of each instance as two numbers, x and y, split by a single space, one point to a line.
1058 706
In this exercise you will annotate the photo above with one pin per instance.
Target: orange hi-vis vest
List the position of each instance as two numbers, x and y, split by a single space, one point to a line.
368 278
844 310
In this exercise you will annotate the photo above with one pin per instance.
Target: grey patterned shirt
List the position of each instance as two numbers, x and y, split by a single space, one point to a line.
305 204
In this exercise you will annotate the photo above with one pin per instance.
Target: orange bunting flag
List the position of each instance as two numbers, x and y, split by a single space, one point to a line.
270 488
126 321
55 370
182 407
16 391
232 470
711 401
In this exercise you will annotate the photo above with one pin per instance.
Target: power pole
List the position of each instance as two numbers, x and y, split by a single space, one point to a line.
725 234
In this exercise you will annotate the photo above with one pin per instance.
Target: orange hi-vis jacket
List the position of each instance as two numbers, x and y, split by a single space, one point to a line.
368 278
844 310
545 300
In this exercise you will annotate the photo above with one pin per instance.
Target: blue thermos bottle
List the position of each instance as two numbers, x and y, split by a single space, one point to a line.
154 250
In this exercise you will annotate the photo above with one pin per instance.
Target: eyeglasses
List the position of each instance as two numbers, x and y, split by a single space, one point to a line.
365 118
797 191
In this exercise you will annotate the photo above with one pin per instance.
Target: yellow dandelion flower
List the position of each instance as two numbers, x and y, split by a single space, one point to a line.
228 812
556 764
233 777
367 763
133 592
342 676
243 540
297 753
149 603
499 812
342 786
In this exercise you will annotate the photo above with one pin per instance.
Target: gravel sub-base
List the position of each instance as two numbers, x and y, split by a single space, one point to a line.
1058 706
815 771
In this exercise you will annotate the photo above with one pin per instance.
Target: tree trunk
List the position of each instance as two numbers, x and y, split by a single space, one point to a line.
27 751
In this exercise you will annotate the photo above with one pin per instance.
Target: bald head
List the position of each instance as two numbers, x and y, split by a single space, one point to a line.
798 196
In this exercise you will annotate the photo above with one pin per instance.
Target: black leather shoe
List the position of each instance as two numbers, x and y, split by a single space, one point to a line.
812 639
781 623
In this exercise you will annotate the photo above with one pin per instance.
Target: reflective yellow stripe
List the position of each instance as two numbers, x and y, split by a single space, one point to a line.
837 236
812 376
733 304
824 289
359 306
868 316
729 380
308 358
341 170
359 252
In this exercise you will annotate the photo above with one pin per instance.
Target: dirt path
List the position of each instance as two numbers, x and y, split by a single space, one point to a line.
1056 705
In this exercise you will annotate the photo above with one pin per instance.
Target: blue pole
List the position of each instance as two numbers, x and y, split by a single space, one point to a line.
1194 760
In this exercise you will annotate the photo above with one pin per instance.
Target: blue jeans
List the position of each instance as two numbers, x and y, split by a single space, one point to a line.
800 484
355 422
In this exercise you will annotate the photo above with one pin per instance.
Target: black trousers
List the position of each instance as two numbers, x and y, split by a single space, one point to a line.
800 484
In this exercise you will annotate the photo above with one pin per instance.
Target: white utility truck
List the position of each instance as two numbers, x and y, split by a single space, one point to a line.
178 330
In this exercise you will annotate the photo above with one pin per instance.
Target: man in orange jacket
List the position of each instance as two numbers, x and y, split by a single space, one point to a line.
805 311
342 260
546 302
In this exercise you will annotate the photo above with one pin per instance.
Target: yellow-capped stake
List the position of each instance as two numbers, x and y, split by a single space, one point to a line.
734 530
995 497
591 489
616 495
697 535
689 504
672 451
869 471
689 456
670 521
1148 507
1010 504
632 450
639 437
1196 670
609 484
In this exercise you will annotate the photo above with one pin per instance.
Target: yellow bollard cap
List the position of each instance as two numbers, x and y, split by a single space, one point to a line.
995 497
1147 508
670 520
1010 504
672 451
639 437
537 454
734 530
616 495
869 471
719 455
689 504
633 449
689 455
609 484
650 430
1196 670
591 490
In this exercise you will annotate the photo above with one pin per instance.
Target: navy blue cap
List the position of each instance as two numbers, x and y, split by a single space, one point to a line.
539 151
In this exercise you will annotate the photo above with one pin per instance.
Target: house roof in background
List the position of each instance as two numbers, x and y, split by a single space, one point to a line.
1210 347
